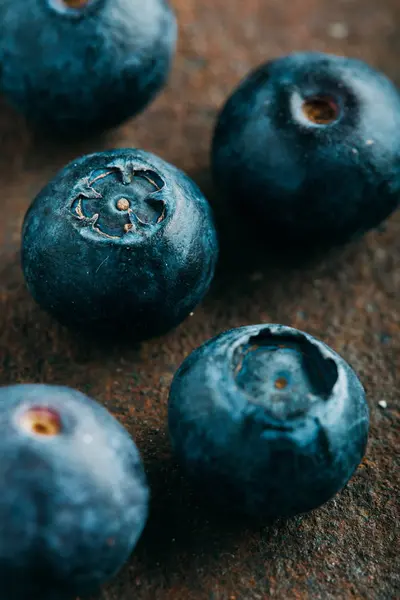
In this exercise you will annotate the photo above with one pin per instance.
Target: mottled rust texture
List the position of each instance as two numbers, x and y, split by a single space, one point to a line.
347 549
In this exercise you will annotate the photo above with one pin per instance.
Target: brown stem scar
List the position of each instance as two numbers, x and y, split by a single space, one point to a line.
123 204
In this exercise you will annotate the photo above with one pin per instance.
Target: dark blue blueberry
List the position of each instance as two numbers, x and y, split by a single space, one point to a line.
308 146
119 242
73 499
268 421
79 66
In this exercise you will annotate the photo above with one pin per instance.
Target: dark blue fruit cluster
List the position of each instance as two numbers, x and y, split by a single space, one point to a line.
119 242
268 421
73 499
308 146
84 65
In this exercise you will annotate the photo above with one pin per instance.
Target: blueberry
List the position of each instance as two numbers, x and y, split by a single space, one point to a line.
119 242
73 499
308 146
78 66
268 421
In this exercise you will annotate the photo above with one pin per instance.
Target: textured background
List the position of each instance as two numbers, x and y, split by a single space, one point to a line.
348 548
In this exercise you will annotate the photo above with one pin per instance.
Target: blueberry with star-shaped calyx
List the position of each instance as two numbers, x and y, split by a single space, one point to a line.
119 242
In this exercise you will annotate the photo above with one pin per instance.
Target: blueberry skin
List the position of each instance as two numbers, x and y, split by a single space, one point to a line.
267 421
138 271
82 70
72 505
314 184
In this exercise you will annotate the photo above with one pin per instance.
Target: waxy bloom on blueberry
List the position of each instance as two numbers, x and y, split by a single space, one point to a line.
307 147
82 66
267 421
74 497
120 242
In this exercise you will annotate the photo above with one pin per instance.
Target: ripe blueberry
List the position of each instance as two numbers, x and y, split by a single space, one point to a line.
119 242
73 499
78 66
267 420
308 146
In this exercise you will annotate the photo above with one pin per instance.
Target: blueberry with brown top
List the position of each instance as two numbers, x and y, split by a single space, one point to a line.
74 497
307 148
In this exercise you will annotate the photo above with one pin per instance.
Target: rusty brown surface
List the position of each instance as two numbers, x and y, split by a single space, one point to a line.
348 548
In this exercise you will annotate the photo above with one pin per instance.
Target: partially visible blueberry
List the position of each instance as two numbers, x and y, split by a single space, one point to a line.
119 242
74 497
80 66
268 421
308 147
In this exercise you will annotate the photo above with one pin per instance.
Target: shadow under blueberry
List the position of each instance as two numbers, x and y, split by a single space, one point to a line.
186 539
244 237
184 531
247 244
36 348
51 150
258 282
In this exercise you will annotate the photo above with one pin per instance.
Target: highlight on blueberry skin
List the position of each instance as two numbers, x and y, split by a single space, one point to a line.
119 242
79 67
267 421
307 146
74 497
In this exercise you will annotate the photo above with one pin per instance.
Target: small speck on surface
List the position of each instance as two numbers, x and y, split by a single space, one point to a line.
338 31
382 404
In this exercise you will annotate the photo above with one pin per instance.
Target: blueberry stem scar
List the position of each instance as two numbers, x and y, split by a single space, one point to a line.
75 3
123 204
41 421
321 110
281 383
71 5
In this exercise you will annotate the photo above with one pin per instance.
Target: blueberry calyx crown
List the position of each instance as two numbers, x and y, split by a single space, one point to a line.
284 373
119 200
